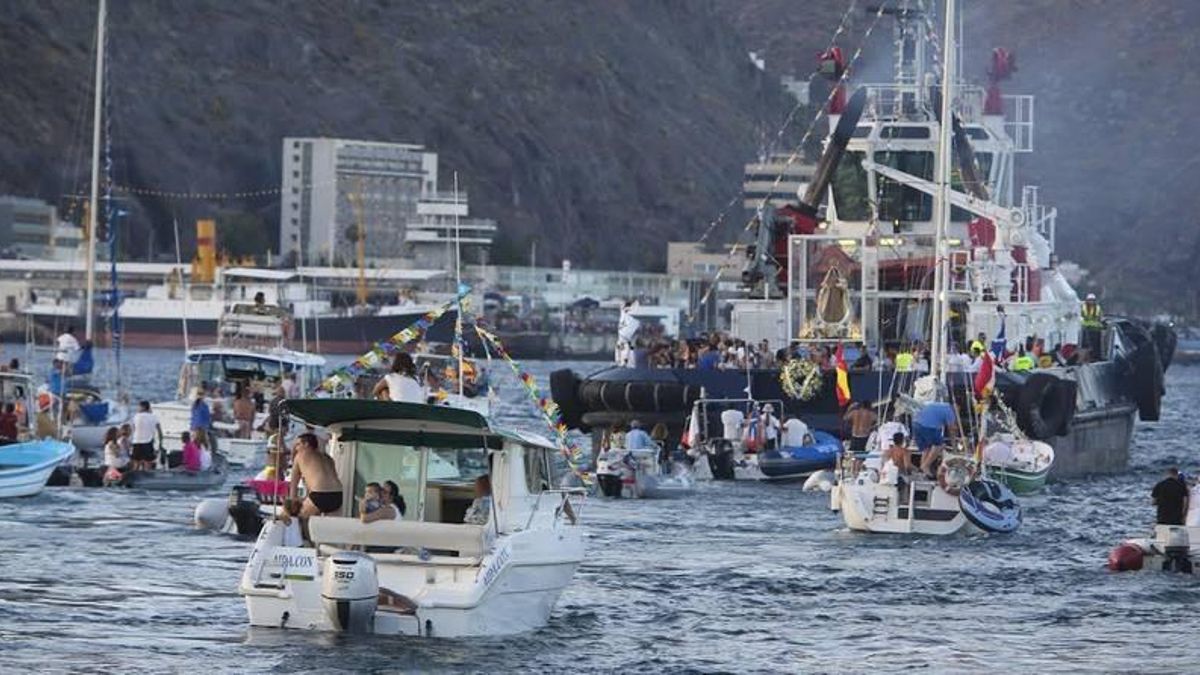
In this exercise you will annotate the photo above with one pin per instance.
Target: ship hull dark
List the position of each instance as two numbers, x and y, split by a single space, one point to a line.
331 335
1095 439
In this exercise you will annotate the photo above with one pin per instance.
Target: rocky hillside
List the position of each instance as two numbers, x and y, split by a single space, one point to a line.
592 123
580 124
1117 83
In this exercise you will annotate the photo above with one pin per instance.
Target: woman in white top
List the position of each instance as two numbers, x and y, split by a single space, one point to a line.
401 384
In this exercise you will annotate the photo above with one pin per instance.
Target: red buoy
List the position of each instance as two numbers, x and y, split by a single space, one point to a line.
1125 558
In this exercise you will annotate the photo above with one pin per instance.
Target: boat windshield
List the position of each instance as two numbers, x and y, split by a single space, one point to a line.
438 485
223 371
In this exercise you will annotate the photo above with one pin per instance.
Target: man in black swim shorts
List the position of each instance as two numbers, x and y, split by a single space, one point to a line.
320 478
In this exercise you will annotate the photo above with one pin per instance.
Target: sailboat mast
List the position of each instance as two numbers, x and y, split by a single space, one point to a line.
458 285
93 206
941 307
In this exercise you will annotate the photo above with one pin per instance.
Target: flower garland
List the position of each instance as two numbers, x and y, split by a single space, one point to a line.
546 406
801 379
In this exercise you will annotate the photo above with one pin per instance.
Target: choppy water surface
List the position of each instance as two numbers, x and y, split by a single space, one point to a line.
742 577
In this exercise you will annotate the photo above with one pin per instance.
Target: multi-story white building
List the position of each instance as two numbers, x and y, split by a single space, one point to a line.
441 219
759 181
326 181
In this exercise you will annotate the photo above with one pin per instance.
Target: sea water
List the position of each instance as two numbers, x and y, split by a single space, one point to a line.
740 577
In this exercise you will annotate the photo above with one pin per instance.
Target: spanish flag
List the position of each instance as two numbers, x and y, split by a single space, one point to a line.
843 377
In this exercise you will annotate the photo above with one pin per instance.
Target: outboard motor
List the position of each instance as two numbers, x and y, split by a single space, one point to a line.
720 459
1176 547
350 591
243 509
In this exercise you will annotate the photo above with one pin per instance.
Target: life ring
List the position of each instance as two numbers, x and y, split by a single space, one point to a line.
991 506
962 471
564 389
1040 408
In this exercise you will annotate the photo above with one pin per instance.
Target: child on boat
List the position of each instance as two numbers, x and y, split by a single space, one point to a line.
191 453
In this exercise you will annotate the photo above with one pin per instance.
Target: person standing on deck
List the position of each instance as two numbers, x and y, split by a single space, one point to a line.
862 420
1092 321
637 438
1171 499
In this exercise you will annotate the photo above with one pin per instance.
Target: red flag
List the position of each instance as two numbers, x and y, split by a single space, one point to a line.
843 377
985 379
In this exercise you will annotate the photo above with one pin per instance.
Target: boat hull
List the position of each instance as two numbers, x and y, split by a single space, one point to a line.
25 467
1020 482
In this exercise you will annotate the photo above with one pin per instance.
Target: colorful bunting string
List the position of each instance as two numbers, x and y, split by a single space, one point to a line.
342 379
546 406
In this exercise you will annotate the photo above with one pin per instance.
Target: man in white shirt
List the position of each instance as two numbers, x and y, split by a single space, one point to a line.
731 423
66 347
770 426
795 433
638 439
146 430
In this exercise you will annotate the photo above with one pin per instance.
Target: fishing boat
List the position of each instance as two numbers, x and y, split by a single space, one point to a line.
1021 464
251 354
25 467
860 270
439 576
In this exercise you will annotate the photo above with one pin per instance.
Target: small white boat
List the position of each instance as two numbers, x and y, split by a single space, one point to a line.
637 474
25 467
1172 548
429 574
178 479
251 352
1021 464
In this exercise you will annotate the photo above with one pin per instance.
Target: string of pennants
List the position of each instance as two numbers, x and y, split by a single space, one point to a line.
551 415
342 380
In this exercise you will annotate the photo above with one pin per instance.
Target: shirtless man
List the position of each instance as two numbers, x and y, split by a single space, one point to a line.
899 455
862 420
319 475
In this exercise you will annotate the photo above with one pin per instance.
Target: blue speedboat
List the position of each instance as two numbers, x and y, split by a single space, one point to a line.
25 467
788 463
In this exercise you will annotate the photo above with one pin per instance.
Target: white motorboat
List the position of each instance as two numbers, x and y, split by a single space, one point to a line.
637 474
724 438
1172 548
250 352
430 574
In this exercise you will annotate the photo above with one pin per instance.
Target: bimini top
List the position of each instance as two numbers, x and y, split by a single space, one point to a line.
406 423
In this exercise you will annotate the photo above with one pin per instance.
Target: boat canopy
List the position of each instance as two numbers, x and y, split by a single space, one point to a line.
414 424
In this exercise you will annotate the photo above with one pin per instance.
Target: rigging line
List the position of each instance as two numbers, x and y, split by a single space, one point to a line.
74 160
733 250
843 25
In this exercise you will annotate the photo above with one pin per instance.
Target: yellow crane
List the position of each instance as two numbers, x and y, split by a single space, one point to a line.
355 199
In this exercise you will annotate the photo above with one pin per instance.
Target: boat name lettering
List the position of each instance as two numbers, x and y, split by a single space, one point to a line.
297 563
497 564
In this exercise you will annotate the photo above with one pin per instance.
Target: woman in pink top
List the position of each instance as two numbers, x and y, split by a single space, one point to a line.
191 453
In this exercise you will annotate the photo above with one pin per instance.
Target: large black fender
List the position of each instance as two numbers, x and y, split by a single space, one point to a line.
1148 387
636 396
564 389
1041 413
604 419
1165 341
1067 392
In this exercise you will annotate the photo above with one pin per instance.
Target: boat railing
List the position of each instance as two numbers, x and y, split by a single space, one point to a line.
1038 216
911 102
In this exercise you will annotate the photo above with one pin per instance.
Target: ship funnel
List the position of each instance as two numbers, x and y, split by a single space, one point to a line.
204 265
